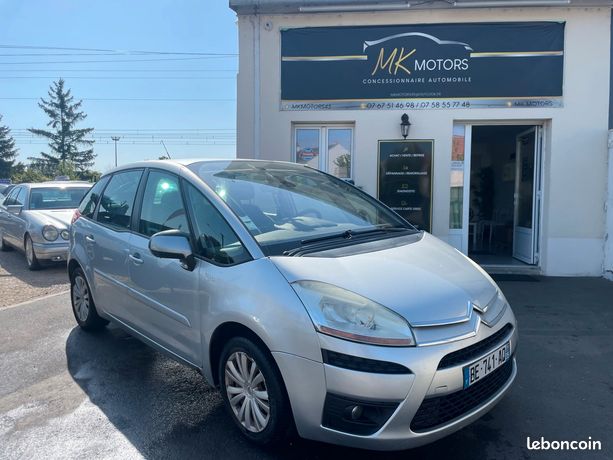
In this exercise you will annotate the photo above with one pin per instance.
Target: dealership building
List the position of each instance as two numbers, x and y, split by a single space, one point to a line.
485 122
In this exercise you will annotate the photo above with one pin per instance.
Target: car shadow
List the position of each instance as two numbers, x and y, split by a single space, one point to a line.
15 265
166 410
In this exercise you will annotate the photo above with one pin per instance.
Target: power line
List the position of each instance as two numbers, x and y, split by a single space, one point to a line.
114 51
105 142
125 99
148 129
122 60
106 77
119 70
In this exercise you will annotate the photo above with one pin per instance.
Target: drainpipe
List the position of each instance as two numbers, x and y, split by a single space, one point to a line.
608 235
608 205
256 87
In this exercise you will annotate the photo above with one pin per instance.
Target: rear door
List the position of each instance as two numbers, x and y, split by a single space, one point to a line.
107 242
164 303
14 222
6 217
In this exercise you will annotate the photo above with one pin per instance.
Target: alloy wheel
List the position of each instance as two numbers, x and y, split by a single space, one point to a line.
80 298
247 391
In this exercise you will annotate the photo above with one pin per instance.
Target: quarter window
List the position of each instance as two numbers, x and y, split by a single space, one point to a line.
215 239
162 205
90 200
328 148
117 200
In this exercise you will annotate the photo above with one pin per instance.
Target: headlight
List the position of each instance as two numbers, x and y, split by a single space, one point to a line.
344 314
65 234
50 233
494 309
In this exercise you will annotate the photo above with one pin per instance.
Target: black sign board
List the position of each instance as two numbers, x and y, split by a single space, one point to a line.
423 66
405 179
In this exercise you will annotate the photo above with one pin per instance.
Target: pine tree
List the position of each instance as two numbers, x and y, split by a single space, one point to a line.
8 152
64 139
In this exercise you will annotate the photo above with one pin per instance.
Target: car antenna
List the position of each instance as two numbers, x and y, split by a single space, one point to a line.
167 154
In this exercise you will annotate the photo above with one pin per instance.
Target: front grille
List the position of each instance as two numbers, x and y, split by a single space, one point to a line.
355 363
476 350
442 409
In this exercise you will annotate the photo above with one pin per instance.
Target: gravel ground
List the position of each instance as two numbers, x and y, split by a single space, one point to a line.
18 284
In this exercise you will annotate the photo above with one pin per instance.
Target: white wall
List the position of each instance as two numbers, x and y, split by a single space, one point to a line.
575 156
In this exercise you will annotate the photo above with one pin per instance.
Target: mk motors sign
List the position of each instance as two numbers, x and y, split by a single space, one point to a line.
429 66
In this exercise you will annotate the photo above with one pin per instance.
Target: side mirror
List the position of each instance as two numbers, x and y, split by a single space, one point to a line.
14 208
173 244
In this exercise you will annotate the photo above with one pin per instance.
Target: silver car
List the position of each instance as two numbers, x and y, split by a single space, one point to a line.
312 306
35 219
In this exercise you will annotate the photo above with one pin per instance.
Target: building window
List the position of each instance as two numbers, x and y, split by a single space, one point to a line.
328 148
457 177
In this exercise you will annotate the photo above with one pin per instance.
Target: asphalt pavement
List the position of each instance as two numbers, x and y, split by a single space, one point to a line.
68 394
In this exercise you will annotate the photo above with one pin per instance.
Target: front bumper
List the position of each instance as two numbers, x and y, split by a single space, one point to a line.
55 252
309 382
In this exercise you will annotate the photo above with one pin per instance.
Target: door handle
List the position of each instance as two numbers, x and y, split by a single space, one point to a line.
90 238
136 259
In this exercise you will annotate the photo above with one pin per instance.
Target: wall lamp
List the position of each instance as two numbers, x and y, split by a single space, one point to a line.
405 125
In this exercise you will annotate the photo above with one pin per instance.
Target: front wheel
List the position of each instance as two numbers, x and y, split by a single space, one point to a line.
253 392
33 263
83 305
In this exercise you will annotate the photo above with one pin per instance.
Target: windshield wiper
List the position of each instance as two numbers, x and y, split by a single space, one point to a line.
348 234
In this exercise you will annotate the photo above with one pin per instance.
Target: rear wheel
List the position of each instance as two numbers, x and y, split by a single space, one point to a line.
253 392
33 263
83 305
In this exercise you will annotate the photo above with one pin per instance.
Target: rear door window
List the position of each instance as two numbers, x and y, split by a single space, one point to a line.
20 199
90 200
10 198
117 201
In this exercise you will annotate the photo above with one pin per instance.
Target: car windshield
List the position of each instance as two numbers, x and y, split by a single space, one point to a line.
56 197
286 206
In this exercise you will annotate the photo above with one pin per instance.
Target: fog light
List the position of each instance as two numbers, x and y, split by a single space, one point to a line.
356 412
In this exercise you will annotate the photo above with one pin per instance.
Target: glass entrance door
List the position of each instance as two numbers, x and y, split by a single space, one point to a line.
527 196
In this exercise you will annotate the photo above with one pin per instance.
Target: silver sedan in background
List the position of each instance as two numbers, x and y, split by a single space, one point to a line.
35 218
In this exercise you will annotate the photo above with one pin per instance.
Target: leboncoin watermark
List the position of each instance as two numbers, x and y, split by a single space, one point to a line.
545 444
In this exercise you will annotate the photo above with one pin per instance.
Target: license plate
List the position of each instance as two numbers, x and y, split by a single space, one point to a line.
486 365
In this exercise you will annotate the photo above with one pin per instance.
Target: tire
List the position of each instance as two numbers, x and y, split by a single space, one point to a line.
3 246
33 262
278 423
83 306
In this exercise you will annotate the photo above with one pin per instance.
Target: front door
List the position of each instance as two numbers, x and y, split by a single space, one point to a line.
165 304
527 196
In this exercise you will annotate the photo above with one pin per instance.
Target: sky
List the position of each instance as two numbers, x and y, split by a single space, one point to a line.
186 100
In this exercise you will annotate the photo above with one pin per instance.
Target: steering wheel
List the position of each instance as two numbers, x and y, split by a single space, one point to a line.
313 211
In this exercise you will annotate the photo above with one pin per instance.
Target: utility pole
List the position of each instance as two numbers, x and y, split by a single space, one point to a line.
115 139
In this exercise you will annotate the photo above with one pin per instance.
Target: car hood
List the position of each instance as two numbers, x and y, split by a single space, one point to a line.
428 282
60 218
